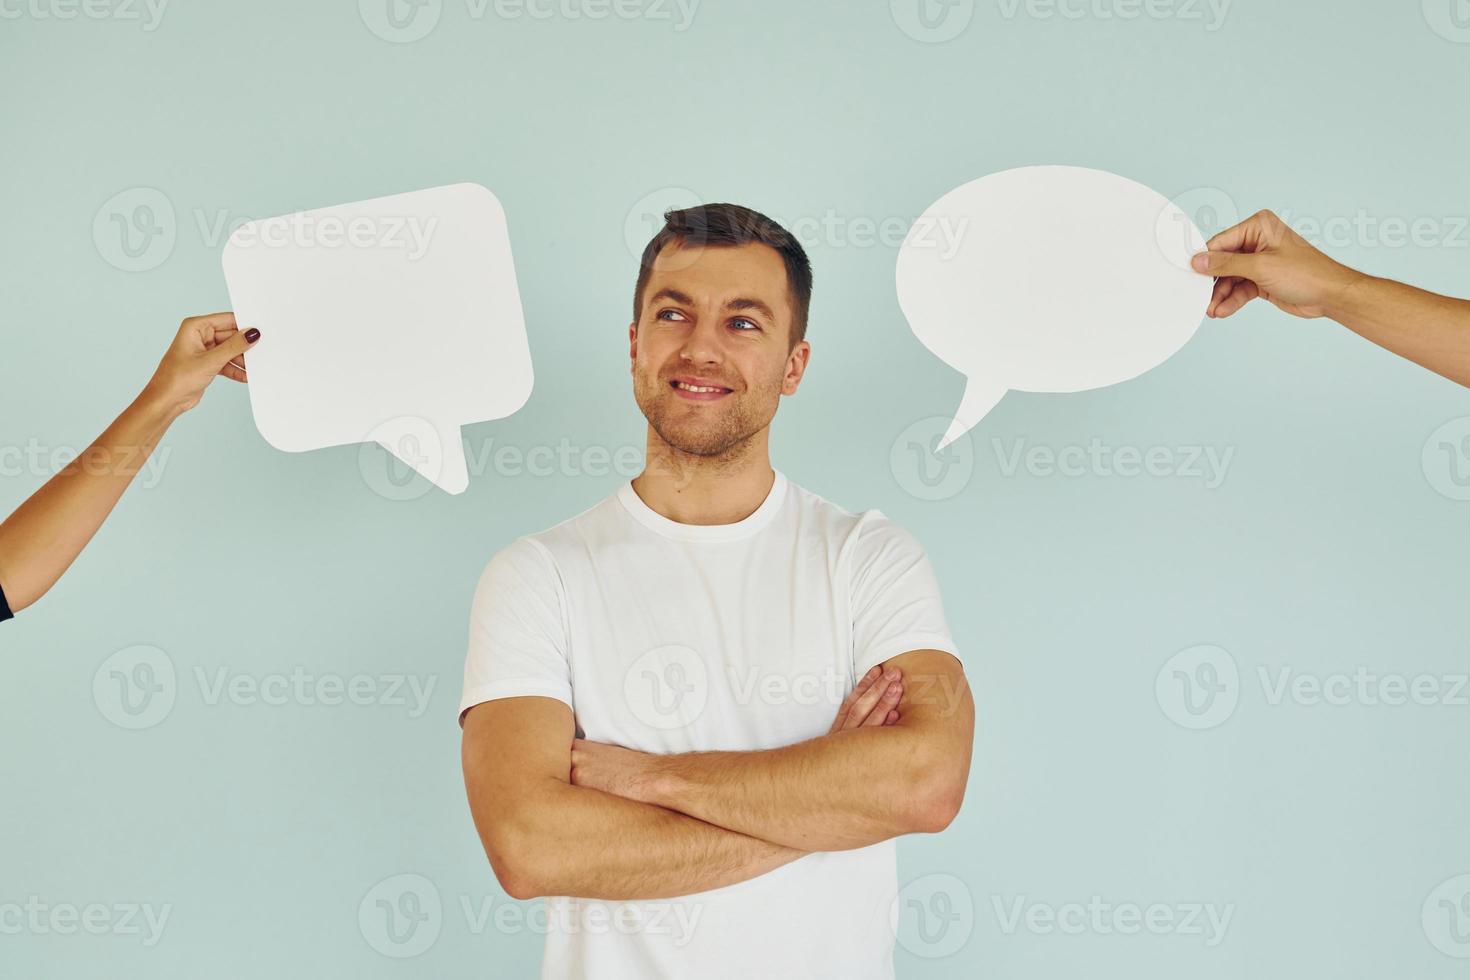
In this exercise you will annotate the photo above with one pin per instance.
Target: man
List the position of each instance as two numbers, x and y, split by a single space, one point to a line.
1262 256
650 691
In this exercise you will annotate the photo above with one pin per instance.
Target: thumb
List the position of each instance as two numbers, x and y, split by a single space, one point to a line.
1246 265
240 341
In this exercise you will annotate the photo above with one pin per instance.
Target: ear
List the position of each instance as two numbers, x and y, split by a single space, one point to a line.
632 344
796 367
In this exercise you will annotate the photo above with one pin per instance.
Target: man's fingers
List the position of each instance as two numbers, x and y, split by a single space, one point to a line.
1246 265
864 682
1232 239
870 698
888 702
1248 235
1238 297
892 718
1217 296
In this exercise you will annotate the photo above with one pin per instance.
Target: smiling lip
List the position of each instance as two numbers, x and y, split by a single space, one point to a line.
710 390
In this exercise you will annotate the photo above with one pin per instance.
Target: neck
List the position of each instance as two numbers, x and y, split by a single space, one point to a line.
693 489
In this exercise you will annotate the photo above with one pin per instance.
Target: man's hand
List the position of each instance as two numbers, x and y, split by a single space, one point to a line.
1263 257
206 347
629 773
873 701
612 769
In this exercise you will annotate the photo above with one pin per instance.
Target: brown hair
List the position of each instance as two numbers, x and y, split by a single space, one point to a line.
719 225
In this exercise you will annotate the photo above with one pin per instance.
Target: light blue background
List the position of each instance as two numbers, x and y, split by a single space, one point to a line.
1327 547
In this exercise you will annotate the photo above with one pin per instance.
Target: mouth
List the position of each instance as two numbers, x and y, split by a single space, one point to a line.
698 389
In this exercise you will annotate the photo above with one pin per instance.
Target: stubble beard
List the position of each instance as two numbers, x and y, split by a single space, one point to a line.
723 438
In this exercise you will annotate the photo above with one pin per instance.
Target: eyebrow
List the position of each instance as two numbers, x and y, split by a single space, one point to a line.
742 303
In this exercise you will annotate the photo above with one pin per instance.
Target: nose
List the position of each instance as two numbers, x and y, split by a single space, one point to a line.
703 344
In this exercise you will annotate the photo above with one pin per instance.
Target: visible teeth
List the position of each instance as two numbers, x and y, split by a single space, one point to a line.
698 388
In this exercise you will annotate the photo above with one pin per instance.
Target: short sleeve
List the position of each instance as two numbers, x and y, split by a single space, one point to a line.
896 605
518 643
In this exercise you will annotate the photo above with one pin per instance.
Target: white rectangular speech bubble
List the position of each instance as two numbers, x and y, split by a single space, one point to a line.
395 321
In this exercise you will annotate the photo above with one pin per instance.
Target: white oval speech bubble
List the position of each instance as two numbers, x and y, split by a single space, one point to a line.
1051 279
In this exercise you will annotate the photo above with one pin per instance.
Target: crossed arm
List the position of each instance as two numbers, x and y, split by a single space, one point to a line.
561 816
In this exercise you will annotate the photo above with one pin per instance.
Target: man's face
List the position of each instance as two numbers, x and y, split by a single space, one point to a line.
711 349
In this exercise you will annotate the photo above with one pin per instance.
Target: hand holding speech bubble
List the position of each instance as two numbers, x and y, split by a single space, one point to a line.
1063 279
395 320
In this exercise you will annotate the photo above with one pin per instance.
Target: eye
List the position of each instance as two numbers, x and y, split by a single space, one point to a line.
751 324
666 314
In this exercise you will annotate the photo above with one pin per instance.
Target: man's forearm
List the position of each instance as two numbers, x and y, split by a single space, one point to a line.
844 790
1431 330
584 842
852 787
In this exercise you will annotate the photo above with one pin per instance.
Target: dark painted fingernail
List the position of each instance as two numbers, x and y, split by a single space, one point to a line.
252 335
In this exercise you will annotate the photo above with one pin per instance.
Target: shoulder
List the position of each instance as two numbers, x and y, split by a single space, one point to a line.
536 555
522 564
863 538
869 528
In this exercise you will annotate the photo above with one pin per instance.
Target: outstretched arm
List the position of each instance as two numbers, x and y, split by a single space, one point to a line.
848 788
46 533
1262 256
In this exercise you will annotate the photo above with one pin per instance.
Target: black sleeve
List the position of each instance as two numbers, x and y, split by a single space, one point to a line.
5 612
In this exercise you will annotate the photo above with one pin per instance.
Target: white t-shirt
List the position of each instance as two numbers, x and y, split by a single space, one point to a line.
669 637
